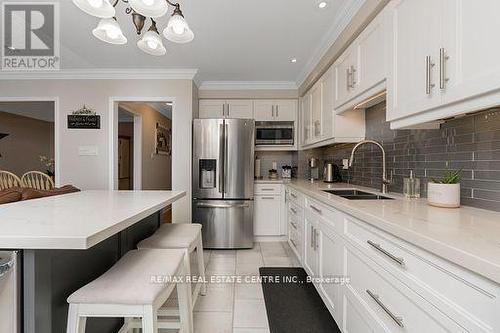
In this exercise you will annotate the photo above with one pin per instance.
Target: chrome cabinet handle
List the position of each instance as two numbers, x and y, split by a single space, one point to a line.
267 189
397 319
398 260
428 75
221 158
267 198
277 111
353 81
227 110
316 234
348 78
442 68
312 238
272 111
317 210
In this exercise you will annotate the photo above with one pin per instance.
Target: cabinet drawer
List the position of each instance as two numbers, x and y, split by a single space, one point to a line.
296 197
467 298
267 189
332 217
391 303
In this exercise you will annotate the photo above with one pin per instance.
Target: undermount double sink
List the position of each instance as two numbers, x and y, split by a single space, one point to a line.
353 194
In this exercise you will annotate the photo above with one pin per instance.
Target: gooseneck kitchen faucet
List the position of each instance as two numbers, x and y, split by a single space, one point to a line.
385 182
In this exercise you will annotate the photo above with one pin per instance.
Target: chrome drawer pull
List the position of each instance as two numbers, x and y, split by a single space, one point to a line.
267 189
317 210
397 319
398 260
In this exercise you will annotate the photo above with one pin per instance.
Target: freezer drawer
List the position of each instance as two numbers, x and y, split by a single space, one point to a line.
227 224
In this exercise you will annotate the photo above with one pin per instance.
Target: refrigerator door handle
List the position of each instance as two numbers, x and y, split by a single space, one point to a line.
221 158
205 205
226 148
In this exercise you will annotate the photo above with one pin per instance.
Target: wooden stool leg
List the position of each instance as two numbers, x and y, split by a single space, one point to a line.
201 265
185 299
76 323
149 320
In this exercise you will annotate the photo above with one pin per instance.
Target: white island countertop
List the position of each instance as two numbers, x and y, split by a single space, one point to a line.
467 236
77 221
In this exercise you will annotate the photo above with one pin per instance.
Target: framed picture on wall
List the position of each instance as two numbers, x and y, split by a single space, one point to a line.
163 140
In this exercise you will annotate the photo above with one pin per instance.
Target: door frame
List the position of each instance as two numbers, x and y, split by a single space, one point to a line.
113 137
57 150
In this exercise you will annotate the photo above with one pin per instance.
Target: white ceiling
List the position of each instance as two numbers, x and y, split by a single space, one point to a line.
43 110
235 40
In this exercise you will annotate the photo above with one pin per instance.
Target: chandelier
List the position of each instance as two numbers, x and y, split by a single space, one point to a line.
108 30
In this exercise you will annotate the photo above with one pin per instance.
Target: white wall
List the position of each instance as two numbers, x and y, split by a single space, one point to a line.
93 172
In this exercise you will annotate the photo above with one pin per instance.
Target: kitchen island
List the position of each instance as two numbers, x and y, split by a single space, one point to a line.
67 241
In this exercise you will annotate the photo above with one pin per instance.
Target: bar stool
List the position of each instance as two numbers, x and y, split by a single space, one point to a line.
135 287
186 236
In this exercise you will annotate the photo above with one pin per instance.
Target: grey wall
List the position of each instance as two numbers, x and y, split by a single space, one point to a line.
280 157
471 143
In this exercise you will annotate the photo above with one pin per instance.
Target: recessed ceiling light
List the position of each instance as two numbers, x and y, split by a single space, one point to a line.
322 4
293 60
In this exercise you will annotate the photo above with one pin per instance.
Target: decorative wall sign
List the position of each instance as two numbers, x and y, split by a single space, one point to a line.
84 118
163 140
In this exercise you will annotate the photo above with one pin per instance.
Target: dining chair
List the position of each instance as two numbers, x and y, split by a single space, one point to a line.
37 180
8 180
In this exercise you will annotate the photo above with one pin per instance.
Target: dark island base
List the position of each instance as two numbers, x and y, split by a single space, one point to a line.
50 276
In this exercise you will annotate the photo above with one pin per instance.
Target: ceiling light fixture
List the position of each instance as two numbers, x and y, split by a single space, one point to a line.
322 4
108 29
293 60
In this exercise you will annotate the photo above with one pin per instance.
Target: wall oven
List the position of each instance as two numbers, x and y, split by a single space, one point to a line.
272 133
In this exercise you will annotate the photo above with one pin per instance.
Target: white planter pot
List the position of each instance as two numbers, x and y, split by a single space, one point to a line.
443 195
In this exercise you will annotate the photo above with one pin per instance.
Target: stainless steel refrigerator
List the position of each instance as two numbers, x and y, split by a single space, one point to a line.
223 171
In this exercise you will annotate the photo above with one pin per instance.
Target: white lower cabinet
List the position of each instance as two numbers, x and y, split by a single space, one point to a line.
267 215
392 285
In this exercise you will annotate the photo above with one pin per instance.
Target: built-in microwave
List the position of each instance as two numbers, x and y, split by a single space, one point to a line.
274 133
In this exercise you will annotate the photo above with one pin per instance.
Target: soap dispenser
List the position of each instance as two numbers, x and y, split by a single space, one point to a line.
411 186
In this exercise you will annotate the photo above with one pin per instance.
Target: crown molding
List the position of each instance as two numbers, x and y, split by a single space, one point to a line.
248 85
346 15
103 74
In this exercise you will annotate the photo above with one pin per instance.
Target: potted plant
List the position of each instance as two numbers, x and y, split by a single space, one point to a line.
446 191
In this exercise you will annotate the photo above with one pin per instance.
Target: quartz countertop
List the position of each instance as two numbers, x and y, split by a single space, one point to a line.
267 180
466 236
77 220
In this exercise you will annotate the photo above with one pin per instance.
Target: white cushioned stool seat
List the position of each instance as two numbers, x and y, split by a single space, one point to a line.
170 236
129 280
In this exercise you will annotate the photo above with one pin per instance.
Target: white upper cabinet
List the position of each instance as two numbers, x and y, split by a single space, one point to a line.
360 72
416 50
211 108
236 108
305 119
470 51
276 110
445 59
240 108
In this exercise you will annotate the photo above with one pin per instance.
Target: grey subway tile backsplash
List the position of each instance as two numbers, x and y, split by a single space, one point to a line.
470 143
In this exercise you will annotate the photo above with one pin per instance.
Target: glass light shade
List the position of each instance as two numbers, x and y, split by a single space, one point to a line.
109 31
149 8
97 8
177 30
151 44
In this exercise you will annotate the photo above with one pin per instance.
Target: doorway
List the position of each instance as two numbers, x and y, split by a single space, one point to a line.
126 138
28 137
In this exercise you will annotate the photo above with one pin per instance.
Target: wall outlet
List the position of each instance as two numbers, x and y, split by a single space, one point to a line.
345 163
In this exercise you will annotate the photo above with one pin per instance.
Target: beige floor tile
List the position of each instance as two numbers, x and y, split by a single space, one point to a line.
213 322
248 269
250 314
278 262
217 299
248 291
249 257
